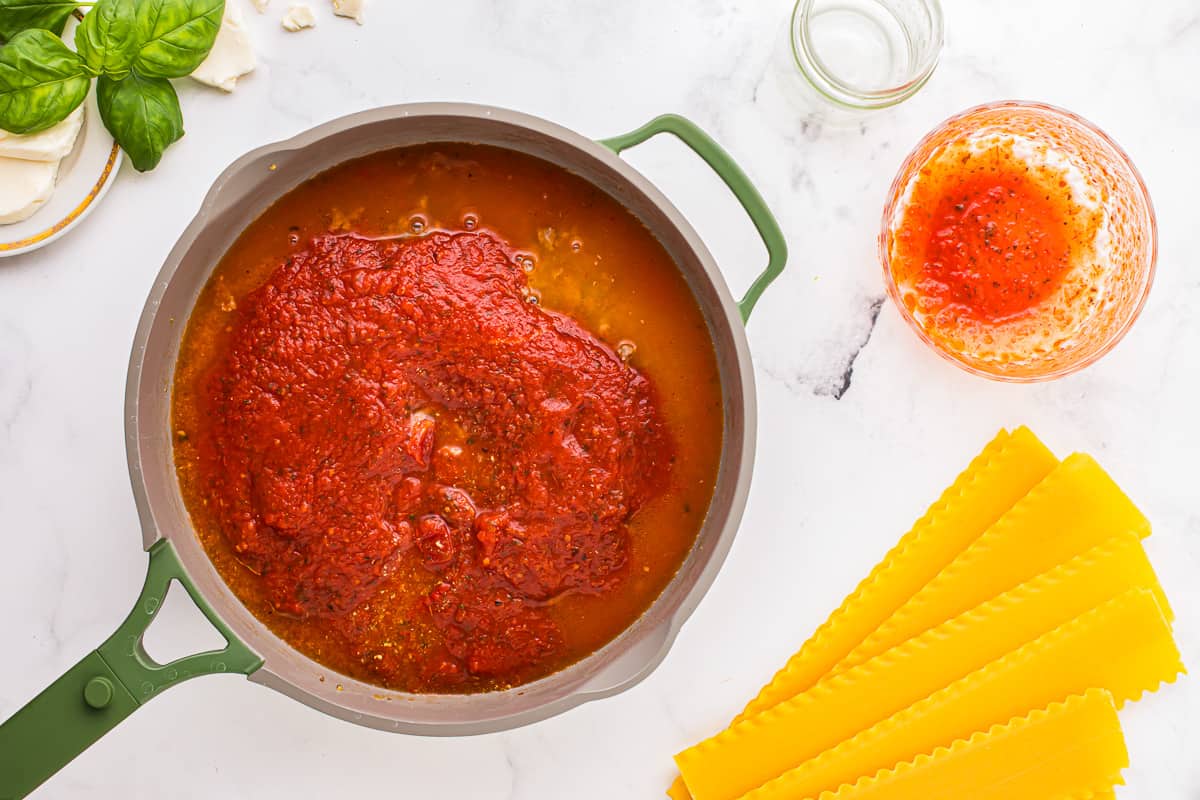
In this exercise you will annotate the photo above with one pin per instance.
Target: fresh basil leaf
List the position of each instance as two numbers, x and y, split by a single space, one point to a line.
174 36
21 15
41 81
142 114
105 39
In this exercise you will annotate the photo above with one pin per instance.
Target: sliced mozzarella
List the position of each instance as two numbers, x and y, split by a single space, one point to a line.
52 144
232 54
350 8
24 187
298 17
261 5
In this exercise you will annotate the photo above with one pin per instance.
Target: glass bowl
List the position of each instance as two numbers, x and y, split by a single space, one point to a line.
1066 340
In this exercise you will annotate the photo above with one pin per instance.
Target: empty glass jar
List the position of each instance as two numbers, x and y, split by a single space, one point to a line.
866 54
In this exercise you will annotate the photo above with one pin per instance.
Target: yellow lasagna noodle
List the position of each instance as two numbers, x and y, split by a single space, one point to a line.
1124 646
759 749
1071 749
1076 507
678 790
1005 471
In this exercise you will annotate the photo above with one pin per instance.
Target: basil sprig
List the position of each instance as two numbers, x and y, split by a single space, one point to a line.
133 46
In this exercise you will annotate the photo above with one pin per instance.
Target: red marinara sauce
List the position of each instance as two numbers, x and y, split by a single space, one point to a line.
986 238
405 463
385 397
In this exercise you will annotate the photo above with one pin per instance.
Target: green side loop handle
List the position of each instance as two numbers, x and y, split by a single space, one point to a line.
109 684
727 169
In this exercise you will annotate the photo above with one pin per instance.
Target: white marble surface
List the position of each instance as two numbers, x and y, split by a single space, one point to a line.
860 425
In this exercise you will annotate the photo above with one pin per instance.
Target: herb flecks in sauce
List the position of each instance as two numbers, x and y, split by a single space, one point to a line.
1000 248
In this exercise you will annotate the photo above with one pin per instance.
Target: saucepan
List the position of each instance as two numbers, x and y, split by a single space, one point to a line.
119 676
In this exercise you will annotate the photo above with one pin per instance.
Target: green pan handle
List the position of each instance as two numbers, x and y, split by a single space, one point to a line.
728 170
108 685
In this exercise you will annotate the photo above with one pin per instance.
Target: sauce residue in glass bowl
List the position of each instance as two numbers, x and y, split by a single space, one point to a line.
1018 241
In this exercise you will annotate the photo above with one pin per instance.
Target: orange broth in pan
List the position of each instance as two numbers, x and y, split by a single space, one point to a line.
447 418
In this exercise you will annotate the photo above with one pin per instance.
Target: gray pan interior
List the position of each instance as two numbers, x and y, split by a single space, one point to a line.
239 195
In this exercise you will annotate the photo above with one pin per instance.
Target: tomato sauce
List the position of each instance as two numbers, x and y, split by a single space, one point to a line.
401 441
987 238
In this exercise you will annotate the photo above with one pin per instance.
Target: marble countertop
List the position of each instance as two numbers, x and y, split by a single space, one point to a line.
861 426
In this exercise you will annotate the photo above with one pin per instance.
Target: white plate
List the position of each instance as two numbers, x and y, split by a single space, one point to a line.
83 179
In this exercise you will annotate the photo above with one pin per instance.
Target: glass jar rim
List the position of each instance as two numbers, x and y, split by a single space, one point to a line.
845 94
